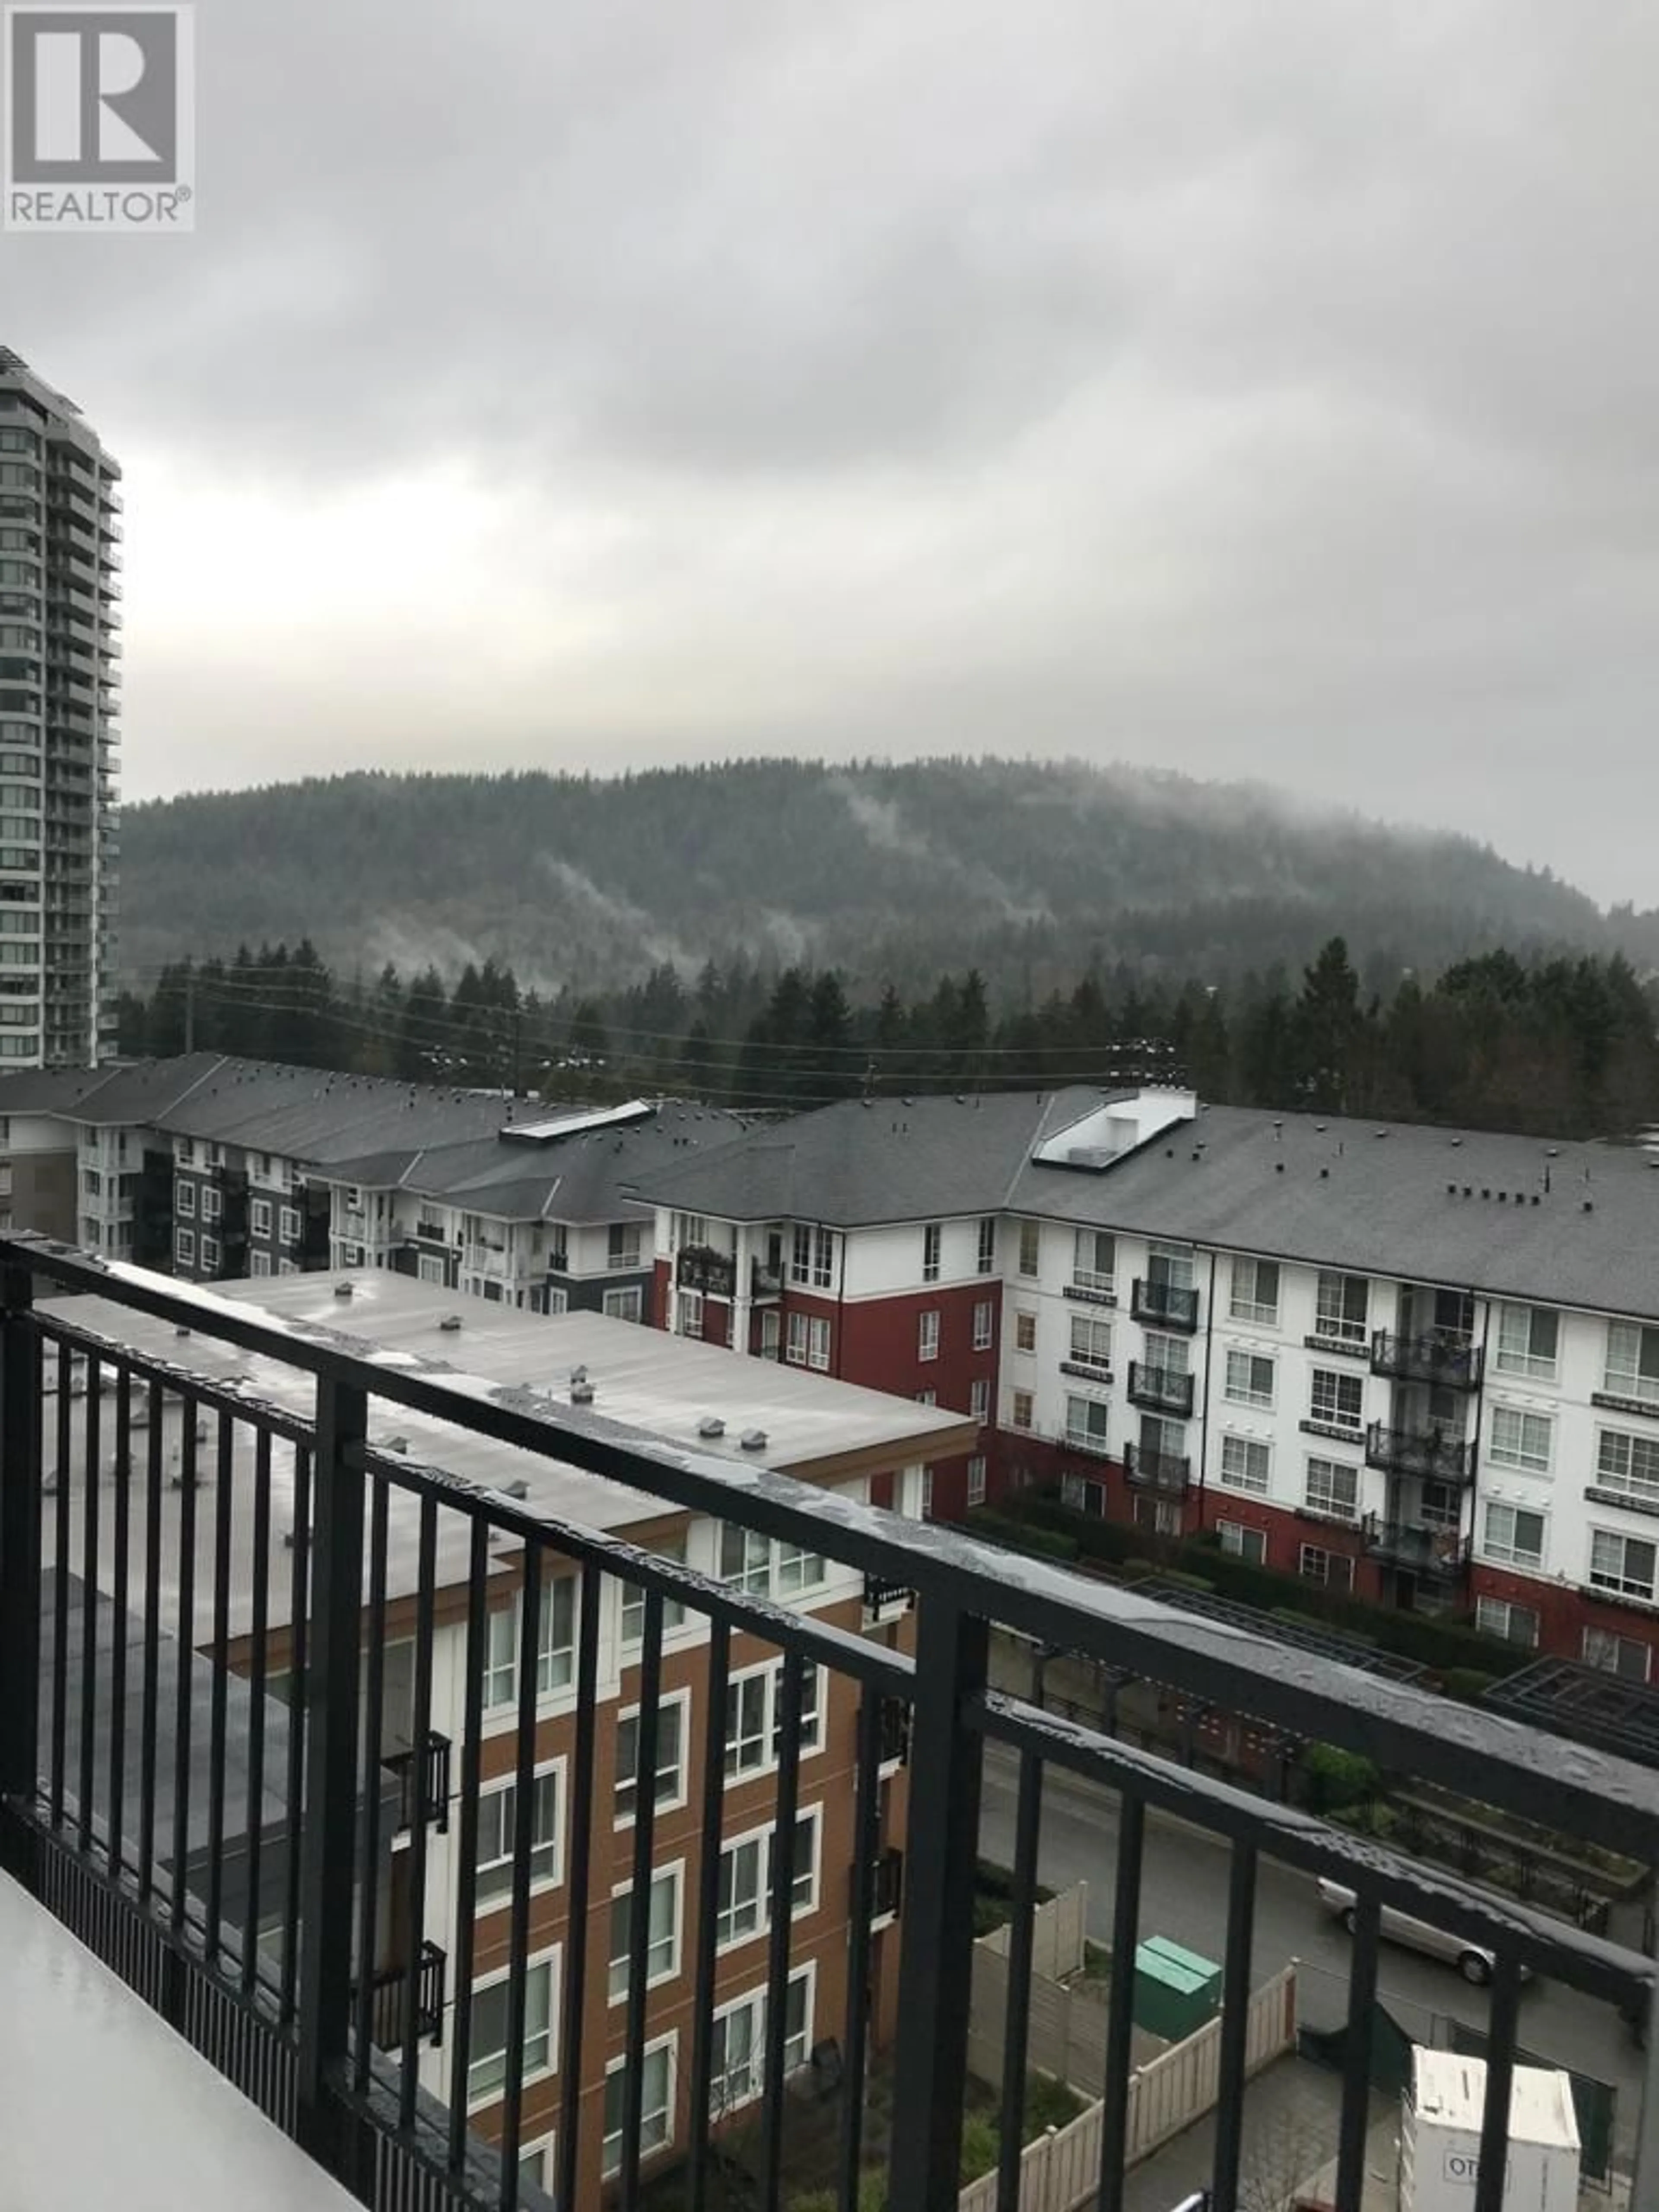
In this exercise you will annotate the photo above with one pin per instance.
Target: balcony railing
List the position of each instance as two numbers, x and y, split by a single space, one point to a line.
1439 1357
1160 1390
157 1794
1440 1554
1429 1453
1150 1469
699 1267
390 1998
1164 1306
423 1778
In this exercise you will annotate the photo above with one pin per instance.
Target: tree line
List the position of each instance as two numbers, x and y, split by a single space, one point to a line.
1563 1045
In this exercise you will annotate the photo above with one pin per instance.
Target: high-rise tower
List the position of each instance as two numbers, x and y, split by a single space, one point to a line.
60 646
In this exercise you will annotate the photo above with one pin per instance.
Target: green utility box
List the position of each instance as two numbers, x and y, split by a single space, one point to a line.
1175 1990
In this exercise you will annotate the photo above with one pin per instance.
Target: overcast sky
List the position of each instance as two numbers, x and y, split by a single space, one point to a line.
1259 390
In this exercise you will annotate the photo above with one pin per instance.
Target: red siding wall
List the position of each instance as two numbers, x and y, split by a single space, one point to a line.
1565 1612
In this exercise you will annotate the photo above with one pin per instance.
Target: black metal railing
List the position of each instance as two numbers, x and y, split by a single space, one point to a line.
1164 1306
1439 1357
389 1999
1152 1469
881 1596
193 1685
699 1267
1160 1389
1440 1554
1428 1454
421 1773
895 1732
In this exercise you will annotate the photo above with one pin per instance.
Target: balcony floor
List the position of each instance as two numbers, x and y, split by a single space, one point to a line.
105 2105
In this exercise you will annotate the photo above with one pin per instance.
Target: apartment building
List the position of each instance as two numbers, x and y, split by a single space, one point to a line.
60 650
1419 1365
857 1443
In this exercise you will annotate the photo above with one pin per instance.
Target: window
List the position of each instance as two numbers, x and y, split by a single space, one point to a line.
185 1201
429 1267
1332 1489
258 1264
797 1341
1502 1617
670 1757
688 1314
1256 1291
812 1258
622 1246
1628 1464
927 1336
1521 1440
1514 1536
662 1954
184 1248
1094 1265
497 1840
289 1224
258 1214
210 1256
738 2044
987 1257
656 2104
633 1597
928 1493
1529 1338
977 1480
1092 1342
1024 1332
555 1636
752 1718
1022 1411
1245 1464
624 1305
1085 1423
1623 1564
1250 1379
1338 1399
984 1324
689 1230
1331 1568
1083 1495
808 1344
927 1397
746 1559
743 1904
1031 1248
1341 1305
932 1236
1632 1362
1617 1654
213 1201
979 1399
1243 1543
486 2074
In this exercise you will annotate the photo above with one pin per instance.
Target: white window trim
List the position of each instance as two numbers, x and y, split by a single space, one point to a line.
927 1341
552 1957
288 1226
676 1803
756 2000
496 1784
772 1669
1252 1398
259 1216
1618 1590
1228 1482
1252 1311
503 1711
670 2043
184 1201
675 1870
764 1836
1522 1414
977 1480
985 1324
184 1247
1507 1556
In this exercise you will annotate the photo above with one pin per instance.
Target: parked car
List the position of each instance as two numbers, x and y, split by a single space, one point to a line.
1473 1960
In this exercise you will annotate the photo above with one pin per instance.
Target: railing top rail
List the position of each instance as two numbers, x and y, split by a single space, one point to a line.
1582 1790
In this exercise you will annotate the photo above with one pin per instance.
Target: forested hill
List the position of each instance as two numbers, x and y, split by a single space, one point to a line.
890 871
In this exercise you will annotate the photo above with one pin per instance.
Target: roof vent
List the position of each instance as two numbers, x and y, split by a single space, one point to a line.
181 1332
1279 1167
754 1440
1521 1198
1324 1174
450 1324
1456 1141
1451 1190
342 1290
520 1489
1589 1205
711 1425
1486 1193
581 1390
1536 1200
399 1444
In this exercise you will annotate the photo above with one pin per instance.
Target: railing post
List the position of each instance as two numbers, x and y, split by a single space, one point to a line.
936 1956
328 1838
19 1565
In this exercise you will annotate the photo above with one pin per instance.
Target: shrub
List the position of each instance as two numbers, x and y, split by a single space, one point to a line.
1337 1779
1469 1683
1049 2103
980 2146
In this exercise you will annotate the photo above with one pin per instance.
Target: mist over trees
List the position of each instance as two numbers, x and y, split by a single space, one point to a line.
1031 873
1564 1046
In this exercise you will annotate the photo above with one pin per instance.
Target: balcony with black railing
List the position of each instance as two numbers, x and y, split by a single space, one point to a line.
1439 1555
1162 1304
1442 1358
1160 1389
1148 1468
421 1773
701 1268
1429 1453
222 1830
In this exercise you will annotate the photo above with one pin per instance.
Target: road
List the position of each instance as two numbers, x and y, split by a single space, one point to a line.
1184 1894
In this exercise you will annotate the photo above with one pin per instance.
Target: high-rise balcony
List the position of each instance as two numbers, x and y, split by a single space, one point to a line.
1430 1454
1160 1389
1439 1555
1162 1305
1443 1358
208 1558
1148 1468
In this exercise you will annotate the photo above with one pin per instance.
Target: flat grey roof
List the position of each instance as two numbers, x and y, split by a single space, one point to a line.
658 1385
